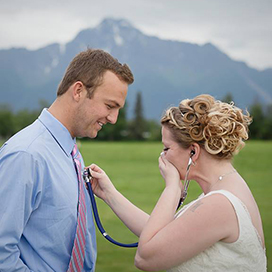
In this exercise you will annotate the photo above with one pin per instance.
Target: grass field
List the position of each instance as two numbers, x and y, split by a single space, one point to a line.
133 168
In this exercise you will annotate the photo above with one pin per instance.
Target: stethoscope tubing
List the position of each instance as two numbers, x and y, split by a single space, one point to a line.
98 222
87 178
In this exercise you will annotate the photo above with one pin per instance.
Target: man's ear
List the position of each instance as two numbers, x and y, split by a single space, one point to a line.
77 90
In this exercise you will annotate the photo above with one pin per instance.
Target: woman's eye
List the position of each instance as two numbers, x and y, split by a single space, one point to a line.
165 149
109 107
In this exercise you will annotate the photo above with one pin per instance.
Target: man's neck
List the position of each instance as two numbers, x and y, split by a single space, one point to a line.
61 110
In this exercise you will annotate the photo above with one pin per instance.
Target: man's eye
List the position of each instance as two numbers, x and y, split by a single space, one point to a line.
165 149
109 106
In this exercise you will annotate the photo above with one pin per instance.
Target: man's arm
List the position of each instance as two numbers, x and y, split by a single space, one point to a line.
18 200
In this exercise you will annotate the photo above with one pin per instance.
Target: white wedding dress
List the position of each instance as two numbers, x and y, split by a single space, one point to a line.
246 254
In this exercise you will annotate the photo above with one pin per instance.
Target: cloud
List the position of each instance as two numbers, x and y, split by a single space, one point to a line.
242 29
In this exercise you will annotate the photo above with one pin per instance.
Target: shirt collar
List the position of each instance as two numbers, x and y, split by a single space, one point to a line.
58 131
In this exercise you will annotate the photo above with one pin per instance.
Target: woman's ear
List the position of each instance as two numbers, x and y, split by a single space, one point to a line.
195 152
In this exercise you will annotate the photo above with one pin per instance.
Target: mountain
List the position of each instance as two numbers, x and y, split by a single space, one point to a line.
165 71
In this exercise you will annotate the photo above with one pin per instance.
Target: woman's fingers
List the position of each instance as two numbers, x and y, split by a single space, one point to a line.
95 168
95 174
162 159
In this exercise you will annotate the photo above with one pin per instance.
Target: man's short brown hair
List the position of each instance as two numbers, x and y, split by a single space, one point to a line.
89 67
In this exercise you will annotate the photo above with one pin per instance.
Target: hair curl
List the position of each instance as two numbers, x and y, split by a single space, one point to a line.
218 127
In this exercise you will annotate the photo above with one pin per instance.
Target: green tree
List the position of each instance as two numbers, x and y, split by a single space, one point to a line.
138 129
267 124
24 118
154 130
7 127
43 104
11 122
257 126
116 132
228 98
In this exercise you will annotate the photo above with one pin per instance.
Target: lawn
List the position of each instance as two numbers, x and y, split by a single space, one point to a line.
133 168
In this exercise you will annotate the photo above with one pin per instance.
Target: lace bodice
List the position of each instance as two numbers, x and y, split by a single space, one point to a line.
246 254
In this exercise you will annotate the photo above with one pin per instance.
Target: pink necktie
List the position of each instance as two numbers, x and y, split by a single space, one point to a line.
78 252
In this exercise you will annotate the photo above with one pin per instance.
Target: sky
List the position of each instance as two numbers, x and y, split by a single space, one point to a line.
240 28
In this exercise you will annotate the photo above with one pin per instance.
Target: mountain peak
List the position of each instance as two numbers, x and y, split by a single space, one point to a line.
111 22
120 30
165 70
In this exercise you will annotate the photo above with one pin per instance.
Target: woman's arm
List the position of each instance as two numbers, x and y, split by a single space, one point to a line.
133 217
165 242
165 208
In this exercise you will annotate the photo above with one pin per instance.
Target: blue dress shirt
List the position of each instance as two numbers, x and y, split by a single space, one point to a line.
38 200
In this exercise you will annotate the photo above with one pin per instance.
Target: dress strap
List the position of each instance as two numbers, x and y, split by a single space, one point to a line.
246 226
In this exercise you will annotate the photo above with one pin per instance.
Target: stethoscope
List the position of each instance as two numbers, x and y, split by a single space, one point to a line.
87 178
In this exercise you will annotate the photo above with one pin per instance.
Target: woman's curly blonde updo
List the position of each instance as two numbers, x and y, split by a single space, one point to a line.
220 128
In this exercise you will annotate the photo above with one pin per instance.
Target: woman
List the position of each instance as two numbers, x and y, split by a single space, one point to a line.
219 231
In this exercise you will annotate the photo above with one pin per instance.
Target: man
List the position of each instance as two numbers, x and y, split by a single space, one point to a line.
45 213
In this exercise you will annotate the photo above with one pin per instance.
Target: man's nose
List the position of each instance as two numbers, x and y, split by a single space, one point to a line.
113 116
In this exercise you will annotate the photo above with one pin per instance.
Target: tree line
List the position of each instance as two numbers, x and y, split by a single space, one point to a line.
261 127
136 129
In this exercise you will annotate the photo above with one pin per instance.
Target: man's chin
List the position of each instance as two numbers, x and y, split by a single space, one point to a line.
88 135
93 135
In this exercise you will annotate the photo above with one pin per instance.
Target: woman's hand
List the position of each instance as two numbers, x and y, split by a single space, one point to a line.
101 184
169 172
